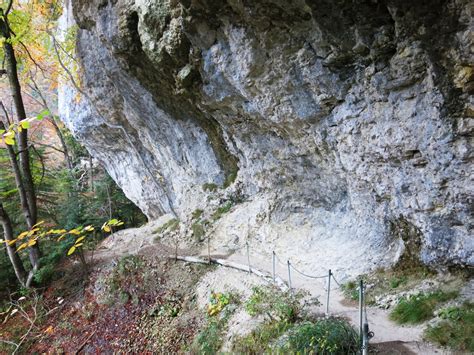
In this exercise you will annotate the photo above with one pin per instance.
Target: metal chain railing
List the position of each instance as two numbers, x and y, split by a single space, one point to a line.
364 332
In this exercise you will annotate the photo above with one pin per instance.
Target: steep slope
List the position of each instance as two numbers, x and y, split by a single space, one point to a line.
345 127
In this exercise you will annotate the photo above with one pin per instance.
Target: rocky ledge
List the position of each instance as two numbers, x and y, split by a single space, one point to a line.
340 131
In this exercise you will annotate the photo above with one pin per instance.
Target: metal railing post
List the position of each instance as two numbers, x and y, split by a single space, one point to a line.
274 262
361 303
329 291
289 274
365 339
248 256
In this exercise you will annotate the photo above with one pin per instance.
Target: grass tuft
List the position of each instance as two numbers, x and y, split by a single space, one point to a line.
221 210
420 307
169 226
210 187
456 329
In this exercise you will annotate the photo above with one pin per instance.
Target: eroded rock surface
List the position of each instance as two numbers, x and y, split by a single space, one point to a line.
345 126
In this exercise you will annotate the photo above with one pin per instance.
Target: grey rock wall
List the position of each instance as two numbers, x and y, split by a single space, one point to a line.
345 126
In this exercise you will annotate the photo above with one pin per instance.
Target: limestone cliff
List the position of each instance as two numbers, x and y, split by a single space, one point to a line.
341 130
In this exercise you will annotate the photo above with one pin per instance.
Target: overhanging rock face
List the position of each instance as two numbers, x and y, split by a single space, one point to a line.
344 125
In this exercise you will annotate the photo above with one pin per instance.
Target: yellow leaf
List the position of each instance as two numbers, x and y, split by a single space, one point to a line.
106 229
10 141
38 224
33 231
89 229
61 237
78 245
71 250
21 247
74 231
49 330
23 235
32 242
80 239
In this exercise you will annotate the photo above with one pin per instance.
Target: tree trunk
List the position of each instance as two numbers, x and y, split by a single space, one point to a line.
19 182
17 264
91 174
24 153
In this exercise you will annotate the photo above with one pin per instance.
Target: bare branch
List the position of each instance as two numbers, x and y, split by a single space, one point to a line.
43 168
9 7
5 112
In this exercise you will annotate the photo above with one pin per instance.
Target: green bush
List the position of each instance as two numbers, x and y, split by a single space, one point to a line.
351 290
170 226
277 305
419 308
395 282
210 339
259 340
197 213
281 309
198 231
221 210
325 336
456 329
210 187
44 275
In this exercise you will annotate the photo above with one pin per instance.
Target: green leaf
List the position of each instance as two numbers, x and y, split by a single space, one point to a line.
42 115
25 124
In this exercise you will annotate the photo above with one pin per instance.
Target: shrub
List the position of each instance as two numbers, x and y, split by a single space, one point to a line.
282 310
456 328
259 340
210 339
221 210
419 308
44 274
395 282
325 336
229 180
198 231
209 187
281 306
169 226
197 213
351 290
